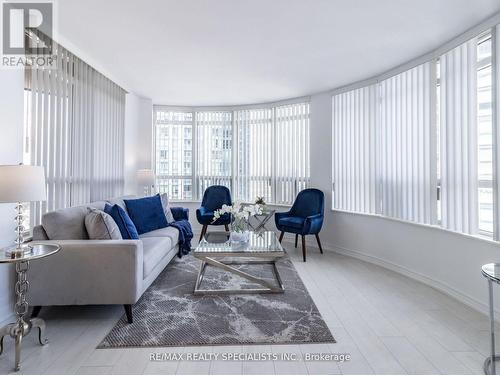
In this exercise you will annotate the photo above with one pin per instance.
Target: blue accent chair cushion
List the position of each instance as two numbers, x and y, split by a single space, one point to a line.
213 199
146 213
123 221
305 216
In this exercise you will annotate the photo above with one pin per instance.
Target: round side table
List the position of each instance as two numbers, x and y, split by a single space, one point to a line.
492 273
21 327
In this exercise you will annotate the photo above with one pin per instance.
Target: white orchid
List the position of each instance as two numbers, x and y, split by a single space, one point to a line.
237 211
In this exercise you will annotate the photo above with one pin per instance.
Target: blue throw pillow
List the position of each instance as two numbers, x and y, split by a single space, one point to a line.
147 213
121 218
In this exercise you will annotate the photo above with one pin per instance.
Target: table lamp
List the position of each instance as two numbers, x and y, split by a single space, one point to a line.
19 184
146 179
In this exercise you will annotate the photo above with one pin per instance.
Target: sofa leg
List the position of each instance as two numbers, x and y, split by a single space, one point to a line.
296 240
36 311
281 236
128 312
304 247
203 231
319 243
226 227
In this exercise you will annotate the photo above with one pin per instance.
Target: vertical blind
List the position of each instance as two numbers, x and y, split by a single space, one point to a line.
292 167
354 150
407 143
432 142
458 134
254 152
214 149
74 124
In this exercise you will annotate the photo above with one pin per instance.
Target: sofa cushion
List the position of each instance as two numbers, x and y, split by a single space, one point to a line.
166 208
170 232
121 218
120 201
146 213
68 223
154 249
292 221
101 226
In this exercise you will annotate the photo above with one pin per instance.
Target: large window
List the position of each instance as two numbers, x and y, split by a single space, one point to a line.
174 153
254 152
430 141
214 149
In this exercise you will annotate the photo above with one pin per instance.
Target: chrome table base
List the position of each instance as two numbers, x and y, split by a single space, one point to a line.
489 366
22 328
226 266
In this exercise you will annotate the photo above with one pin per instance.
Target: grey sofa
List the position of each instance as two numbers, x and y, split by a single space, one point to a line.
94 272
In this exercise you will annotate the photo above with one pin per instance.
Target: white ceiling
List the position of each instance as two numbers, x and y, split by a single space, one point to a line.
222 52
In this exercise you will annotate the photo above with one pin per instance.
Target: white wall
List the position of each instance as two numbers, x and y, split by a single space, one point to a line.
138 138
11 125
448 261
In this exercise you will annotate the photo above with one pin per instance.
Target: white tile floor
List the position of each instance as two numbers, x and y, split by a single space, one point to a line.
388 323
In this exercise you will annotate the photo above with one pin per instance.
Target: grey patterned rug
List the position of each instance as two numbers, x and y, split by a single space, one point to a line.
168 314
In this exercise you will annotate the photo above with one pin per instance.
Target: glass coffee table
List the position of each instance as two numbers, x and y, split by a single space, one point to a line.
216 250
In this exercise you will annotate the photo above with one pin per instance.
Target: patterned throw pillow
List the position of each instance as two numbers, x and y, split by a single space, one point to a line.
101 226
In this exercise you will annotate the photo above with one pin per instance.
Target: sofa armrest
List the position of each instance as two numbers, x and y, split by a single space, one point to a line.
180 213
88 272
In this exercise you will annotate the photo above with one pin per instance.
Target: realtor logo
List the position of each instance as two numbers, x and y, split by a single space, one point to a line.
19 19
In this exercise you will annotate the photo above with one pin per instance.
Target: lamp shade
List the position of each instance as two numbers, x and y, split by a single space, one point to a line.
22 183
145 177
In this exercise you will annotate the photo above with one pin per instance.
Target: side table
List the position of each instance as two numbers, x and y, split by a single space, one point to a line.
492 273
21 327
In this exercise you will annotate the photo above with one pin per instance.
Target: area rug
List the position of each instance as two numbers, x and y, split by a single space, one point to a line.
168 314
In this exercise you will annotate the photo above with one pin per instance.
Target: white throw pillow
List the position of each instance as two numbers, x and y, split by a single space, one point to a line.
166 208
101 226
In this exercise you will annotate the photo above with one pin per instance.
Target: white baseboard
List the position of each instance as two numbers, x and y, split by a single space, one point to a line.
436 284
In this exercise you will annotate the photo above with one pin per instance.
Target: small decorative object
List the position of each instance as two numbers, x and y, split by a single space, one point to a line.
146 180
239 219
19 184
260 201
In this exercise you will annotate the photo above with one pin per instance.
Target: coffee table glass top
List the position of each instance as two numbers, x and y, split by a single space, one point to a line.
218 242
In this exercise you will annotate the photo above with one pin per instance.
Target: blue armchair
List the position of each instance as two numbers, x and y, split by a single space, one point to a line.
213 199
305 217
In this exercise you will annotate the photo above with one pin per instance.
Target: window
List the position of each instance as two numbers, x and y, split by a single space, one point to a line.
214 162
485 135
74 128
434 145
254 152
174 162
354 147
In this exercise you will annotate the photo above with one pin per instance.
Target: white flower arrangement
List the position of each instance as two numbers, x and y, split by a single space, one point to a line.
240 214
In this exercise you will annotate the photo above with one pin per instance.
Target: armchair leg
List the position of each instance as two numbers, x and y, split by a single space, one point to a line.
296 240
281 236
226 227
319 243
128 312
304 247
203 232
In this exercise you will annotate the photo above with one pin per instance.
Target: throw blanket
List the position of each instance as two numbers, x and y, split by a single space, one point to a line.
185 236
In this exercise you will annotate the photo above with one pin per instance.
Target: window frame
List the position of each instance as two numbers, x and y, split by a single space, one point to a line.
234 147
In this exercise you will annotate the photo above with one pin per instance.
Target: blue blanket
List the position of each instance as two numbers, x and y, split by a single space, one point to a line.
185 236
